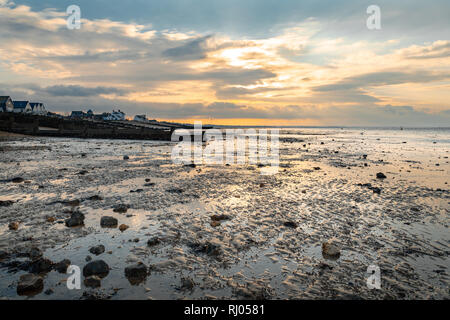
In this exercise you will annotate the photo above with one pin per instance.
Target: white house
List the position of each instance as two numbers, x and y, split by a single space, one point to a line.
38 108
114 116
22 107
6 104
141 118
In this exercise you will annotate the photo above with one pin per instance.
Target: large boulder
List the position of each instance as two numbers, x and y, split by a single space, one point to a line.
76 219
108 222
96 268
41 265
97 249
62 266
136 273
29 284
330 250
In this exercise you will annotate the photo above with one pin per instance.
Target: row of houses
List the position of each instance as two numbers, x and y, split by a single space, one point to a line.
107 116
8 105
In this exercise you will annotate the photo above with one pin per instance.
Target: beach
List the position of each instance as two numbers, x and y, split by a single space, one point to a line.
227 231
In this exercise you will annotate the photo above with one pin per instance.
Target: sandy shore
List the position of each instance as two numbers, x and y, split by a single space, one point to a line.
270 243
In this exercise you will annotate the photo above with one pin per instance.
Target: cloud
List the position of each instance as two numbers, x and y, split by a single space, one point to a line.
192 50
295 70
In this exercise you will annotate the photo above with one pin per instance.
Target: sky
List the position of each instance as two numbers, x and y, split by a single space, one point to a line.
246 62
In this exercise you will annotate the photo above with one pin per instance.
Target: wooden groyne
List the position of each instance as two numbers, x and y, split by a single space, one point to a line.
54 126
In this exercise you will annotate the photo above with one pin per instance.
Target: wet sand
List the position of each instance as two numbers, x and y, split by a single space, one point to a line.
325 190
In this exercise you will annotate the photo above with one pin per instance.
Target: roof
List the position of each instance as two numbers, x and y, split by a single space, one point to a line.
77 112
20 104
3 99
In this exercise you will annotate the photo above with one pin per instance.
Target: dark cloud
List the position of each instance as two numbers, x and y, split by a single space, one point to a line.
191 50
382 79
79 91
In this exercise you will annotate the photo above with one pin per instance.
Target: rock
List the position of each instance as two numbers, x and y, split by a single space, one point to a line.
97 249
76 219
29 284
3 254
120 208
51 219
123 227
376 190
214 224
126 157
88 258
153 241
381 175
316 168
62 266
96 268
41 265
175 190
93 282
95 198
108 222
330 251
13 225
290 224
17 180
6 203
220 217
136 273
187 284
49 292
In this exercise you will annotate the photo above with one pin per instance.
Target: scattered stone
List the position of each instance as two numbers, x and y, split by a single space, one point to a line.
330 251
82 172
175 190
136 273
187 284
120 208
150 184
41 265
13 225
6 203
108 222
93 282
126 157
29 284
137 191
95 198
316 168
88 258
123 227
76 219
96 268
214 224
97 249
17 180
381 175
220 217
290 224
153 241
3 254
49 292
62 266
51 219
376 190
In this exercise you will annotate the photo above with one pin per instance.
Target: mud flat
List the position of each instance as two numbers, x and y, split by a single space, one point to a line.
211 232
